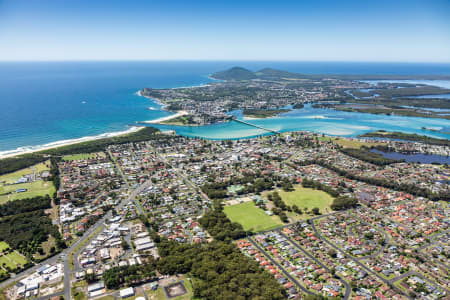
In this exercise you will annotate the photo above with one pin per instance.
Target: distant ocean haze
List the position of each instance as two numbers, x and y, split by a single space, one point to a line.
45 103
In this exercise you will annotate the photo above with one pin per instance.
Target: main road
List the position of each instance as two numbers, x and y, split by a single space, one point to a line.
64 255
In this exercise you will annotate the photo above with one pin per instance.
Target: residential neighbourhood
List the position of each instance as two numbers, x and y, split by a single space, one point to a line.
225 150
114 204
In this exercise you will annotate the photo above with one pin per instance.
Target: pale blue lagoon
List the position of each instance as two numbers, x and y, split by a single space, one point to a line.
327 121
49 103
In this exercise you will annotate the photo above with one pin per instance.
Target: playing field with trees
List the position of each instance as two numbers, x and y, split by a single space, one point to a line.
8 186
306 198
251 217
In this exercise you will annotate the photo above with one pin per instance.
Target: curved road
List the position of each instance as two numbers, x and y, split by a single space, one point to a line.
348 289
64 255
386 281
280 267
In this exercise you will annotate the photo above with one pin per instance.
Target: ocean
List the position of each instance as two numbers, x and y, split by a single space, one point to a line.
45 103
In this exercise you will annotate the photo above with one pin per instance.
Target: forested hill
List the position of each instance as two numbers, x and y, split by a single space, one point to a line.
240 73
235 73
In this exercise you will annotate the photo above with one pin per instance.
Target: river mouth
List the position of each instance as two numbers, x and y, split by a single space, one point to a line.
319 120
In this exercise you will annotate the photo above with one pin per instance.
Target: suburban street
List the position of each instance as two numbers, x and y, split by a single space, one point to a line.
348 289
280 267
387 281
63 256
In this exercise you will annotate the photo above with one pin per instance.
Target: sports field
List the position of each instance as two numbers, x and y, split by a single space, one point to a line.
3 246
8 187
36 188
83 156
12 260
14 176
307 198
251 217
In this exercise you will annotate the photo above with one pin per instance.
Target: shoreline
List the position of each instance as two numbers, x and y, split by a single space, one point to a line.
252 118
179 113
31 149
162 119
36 148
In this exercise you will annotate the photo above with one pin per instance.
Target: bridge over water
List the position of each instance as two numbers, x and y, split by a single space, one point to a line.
146 124
256 126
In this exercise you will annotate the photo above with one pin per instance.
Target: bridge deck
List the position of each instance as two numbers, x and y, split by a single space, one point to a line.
257 126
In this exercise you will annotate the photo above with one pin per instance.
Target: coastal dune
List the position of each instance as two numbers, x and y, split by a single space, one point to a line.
31 149
159 120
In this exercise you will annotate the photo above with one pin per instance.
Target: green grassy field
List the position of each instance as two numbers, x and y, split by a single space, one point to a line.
3 246
11 260
82 156
350 143
307 198
251 217
13 177
35 188
17 258
5 262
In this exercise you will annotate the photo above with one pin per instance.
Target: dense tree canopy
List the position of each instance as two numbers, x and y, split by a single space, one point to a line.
365 155
25 205
219 271
116 277
220 227
343 202
26 231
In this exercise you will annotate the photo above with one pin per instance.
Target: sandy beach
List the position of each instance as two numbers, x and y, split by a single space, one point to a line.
252 118
31 149
178 114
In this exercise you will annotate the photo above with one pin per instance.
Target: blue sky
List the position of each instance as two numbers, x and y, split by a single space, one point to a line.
360 30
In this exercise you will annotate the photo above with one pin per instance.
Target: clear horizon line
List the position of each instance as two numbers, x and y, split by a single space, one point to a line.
221 60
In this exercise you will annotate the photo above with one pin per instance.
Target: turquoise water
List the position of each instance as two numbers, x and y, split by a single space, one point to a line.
47 103
318 120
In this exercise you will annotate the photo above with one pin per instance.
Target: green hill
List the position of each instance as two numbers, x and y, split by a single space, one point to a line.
235 73
269 73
